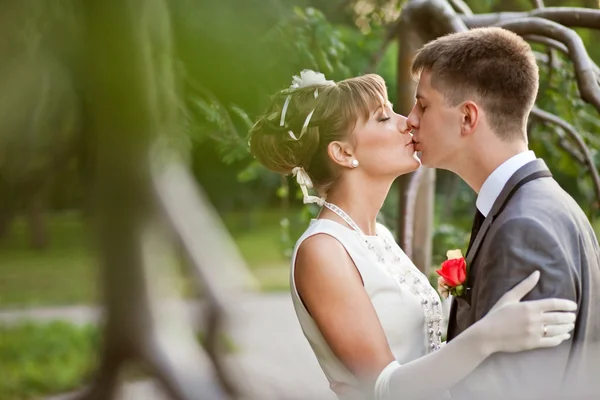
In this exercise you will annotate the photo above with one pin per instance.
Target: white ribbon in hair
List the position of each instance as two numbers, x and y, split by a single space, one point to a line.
306 121
306 78
306 183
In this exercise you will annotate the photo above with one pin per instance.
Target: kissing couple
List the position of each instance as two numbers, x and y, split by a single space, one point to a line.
527 324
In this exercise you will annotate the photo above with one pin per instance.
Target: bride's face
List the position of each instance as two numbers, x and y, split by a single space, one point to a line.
384 145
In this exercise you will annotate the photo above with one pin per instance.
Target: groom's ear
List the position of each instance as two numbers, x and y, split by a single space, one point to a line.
341 153
470 115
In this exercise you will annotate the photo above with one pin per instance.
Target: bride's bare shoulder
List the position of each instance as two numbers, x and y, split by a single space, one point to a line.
322 257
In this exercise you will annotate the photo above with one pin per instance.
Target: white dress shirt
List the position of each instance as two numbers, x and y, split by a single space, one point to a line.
493 185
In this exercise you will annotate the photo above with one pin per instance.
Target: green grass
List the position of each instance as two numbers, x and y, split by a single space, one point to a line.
44 359
65 272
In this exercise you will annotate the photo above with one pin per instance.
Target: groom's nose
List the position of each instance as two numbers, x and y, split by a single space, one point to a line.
412 120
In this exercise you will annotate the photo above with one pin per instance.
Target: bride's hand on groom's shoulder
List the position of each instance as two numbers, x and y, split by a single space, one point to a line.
513 325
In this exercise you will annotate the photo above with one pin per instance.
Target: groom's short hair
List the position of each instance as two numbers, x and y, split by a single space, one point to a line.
494 67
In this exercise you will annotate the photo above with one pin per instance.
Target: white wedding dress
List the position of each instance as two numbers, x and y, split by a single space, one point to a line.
408 308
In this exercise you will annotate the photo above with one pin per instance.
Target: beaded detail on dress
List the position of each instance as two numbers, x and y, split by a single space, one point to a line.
390 257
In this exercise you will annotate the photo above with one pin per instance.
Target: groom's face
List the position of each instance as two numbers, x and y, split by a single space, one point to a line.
435 125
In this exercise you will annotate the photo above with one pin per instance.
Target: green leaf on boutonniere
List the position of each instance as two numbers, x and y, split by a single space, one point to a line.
458 291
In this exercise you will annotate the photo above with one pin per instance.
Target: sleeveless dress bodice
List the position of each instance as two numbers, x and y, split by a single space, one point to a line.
408 308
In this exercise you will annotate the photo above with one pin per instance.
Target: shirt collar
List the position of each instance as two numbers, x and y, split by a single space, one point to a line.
493 185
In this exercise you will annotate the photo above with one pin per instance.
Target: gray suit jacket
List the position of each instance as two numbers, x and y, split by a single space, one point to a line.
534 225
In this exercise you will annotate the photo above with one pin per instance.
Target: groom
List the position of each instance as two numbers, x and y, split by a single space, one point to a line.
474 95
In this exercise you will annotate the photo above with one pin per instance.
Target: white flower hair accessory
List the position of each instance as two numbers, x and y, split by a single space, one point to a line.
307 78
306 183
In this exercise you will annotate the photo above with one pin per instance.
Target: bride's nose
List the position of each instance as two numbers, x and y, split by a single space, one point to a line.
403 126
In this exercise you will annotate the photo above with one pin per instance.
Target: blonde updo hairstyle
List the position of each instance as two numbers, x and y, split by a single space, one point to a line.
337 109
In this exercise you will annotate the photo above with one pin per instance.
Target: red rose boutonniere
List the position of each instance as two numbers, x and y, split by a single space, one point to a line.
452 274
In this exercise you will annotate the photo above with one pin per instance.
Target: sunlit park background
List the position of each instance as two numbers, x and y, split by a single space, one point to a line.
227 57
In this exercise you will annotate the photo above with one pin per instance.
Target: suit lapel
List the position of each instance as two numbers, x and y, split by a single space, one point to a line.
529 171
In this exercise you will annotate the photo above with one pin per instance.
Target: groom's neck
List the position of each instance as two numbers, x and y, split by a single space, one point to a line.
480 161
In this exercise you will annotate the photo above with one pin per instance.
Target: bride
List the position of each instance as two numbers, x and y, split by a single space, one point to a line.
370 316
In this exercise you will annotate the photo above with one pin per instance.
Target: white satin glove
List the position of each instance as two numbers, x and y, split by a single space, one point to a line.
513 326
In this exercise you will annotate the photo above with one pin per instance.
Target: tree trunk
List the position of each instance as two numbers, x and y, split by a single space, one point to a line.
409 43
424 218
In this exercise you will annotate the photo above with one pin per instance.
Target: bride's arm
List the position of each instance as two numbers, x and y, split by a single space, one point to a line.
331 289
415 380
511 326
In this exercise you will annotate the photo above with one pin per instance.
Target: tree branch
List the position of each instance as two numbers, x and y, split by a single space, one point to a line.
567 16
573 134
552 62
568 147
430 19
461 7
549 51
205 242
555 44
587 79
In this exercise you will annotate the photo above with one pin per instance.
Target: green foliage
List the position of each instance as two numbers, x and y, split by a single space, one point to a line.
559 95
306 40
42 359
226 126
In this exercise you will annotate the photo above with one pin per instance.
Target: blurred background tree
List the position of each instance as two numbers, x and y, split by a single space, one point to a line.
230 57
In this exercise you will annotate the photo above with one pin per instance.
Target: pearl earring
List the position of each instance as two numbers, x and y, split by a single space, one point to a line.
355 163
